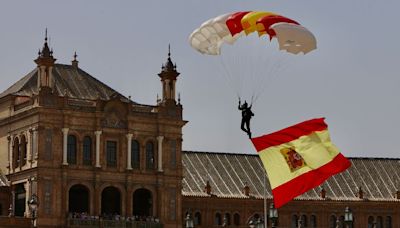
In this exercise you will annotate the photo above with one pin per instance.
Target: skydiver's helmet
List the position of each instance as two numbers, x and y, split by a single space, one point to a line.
244 105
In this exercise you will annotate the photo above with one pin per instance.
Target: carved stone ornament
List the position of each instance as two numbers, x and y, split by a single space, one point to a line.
113 121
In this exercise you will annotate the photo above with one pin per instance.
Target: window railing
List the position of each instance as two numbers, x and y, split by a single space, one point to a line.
96 223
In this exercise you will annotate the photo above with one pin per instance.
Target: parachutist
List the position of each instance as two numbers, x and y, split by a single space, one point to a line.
246 116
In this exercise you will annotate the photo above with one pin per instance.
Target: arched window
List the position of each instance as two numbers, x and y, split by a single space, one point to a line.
227 219
332 221
110 202
150 155
78 199
370 222
16 153
293 222
313 221
217 220
71 149
236 219
388 222
87 150
22 148
142 202
304 221
197 219
135 154
379 222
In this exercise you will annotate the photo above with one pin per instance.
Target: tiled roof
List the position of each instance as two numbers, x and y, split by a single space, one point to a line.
229 173
67 79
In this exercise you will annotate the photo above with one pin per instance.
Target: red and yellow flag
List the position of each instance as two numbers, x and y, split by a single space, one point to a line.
299 158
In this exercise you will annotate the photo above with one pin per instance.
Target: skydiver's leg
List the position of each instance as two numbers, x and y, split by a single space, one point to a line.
242 125
248 127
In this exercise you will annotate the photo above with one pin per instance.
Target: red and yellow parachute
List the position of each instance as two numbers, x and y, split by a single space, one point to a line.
227 28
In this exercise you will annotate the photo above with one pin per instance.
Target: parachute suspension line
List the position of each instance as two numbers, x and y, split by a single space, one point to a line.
252 100
228 76
278 66
261 68
272 76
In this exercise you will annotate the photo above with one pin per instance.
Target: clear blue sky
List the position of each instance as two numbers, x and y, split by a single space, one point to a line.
352 79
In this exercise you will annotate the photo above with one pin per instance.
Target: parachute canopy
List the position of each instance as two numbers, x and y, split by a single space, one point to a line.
227 28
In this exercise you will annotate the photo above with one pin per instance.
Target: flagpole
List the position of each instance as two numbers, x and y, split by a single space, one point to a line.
265 200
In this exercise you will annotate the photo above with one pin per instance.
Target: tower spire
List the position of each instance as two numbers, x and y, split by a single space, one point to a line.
168 77
45 62
46 52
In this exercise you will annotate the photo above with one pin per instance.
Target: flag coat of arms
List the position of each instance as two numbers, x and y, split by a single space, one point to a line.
299 158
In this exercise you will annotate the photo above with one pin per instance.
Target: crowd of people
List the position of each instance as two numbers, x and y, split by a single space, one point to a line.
114 217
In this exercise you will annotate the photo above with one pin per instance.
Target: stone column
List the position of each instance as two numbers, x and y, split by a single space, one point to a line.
10 155
65 146
40 76
128 152
29 149
160 140
35 143
173 90
12 201
97 133
50 77
28 195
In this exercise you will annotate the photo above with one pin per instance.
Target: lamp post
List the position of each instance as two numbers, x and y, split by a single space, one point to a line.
348 217
189 221
33 204
273 215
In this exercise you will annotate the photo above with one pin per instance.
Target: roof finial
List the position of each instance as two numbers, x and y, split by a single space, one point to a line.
45 36
169 50
75 62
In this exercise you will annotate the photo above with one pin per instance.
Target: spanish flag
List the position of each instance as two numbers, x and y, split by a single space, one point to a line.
299 158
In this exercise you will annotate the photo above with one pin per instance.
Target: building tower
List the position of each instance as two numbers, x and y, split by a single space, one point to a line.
168 77
45 63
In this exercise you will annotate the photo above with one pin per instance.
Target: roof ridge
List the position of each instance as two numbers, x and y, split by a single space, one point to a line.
222 153
18 85
255 154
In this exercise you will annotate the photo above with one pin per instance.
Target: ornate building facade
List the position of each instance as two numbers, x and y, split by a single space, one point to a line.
84 149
